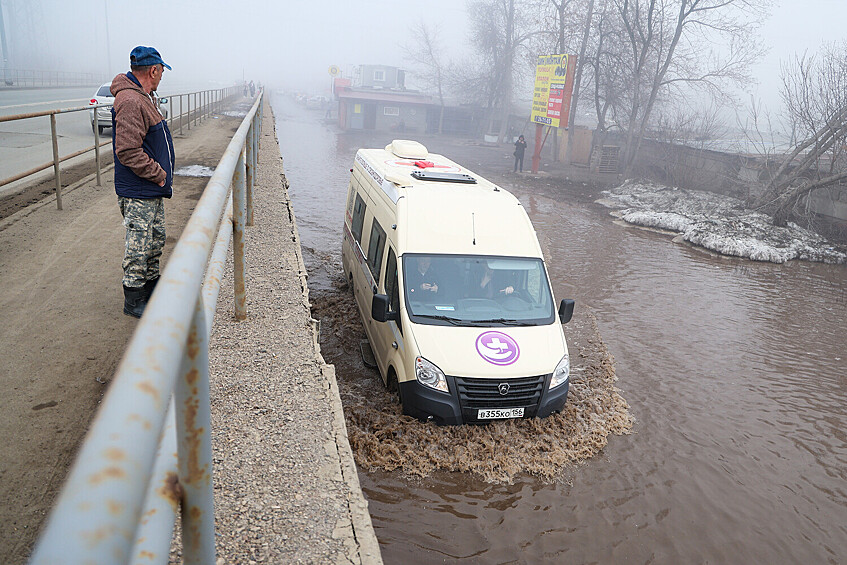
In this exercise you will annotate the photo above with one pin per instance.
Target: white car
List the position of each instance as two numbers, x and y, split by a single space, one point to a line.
104 114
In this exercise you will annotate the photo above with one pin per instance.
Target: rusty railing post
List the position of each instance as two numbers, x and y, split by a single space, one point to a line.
250 168
194 440
96 129
56 173
238 205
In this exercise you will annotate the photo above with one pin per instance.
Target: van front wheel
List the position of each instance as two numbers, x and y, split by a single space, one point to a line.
394 386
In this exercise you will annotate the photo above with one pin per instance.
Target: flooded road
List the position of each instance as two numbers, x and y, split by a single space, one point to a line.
733 370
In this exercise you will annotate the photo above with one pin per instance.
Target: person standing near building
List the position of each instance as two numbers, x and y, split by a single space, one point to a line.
520 147
144 164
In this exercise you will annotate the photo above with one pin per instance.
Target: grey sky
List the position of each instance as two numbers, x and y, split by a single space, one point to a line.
796 26
292 43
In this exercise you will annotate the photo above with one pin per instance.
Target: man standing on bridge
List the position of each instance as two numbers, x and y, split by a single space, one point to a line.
144 164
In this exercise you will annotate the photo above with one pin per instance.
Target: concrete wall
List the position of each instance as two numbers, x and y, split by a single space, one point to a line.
581 154
699 169
830 202
412 116
724 173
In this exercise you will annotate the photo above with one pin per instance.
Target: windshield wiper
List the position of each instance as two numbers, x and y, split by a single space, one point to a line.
454 321
504 321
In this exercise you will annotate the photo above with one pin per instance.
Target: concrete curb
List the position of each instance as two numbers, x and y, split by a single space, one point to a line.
362 527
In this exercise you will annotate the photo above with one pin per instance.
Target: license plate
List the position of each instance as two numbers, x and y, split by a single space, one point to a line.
499 413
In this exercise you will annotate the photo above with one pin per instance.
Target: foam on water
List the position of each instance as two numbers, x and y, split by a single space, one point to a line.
719 223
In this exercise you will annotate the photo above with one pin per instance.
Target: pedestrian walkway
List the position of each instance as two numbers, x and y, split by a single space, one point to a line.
286 489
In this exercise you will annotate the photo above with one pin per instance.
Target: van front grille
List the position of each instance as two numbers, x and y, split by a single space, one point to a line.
485 393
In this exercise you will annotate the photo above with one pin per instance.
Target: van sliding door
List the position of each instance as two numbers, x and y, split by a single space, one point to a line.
386 332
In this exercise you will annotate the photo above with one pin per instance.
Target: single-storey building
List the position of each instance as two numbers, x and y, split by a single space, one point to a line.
381 102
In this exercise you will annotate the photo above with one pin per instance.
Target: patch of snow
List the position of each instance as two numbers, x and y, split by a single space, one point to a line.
232 114
194 171
716 222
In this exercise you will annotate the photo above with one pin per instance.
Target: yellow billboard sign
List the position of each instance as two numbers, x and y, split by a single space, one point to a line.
551 98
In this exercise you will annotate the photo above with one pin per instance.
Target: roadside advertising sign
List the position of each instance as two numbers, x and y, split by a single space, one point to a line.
551 98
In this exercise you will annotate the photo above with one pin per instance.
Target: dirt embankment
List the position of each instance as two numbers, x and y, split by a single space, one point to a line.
63 331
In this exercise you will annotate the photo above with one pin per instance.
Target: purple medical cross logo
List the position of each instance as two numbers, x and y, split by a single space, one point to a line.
497 348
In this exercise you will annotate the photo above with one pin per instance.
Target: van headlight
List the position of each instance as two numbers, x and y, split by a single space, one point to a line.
561 372
430 375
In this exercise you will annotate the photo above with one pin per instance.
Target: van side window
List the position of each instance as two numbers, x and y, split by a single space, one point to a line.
358 218
375 246
350 199
392 287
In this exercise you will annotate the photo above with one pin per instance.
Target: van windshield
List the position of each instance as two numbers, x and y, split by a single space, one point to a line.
474 290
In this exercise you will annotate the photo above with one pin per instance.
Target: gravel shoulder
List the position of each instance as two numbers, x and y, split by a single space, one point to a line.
286 488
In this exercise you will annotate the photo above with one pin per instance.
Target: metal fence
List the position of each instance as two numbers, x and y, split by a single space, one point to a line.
148 454
198 106
28 78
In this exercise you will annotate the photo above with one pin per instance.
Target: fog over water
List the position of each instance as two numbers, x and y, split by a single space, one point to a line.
292 43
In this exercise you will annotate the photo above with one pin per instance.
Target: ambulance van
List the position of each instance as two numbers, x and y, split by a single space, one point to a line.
452 288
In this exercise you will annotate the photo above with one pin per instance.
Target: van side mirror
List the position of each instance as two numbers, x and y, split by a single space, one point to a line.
380 309
566 310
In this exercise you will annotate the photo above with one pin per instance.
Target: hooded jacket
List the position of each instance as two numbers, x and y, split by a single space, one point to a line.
141 142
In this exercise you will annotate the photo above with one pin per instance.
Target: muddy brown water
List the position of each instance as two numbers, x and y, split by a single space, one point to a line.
734 373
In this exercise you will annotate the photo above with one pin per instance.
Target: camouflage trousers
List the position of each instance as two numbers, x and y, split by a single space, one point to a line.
144 220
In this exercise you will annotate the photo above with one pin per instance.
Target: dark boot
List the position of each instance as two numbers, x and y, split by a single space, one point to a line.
148 288
135 299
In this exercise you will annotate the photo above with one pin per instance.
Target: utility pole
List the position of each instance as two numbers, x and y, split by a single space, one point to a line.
3 42
109 70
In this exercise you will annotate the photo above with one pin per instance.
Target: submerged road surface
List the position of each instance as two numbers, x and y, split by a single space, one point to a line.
734 371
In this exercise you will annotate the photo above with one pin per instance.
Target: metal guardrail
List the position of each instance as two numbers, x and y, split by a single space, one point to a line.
149 450
198 105
27 78
205 102
57 174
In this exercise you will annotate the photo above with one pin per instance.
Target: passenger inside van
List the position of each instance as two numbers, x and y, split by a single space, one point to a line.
422 280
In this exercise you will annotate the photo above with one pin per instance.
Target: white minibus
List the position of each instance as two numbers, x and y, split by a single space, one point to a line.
452 288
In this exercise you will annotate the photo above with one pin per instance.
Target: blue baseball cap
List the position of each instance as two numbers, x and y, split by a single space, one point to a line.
145 57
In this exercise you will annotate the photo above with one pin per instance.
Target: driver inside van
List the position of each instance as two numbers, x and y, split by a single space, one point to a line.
421 279
491 285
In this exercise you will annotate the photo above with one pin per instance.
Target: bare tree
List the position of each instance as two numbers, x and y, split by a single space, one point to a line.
429 65
577 82
500 28
814 92
658 50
